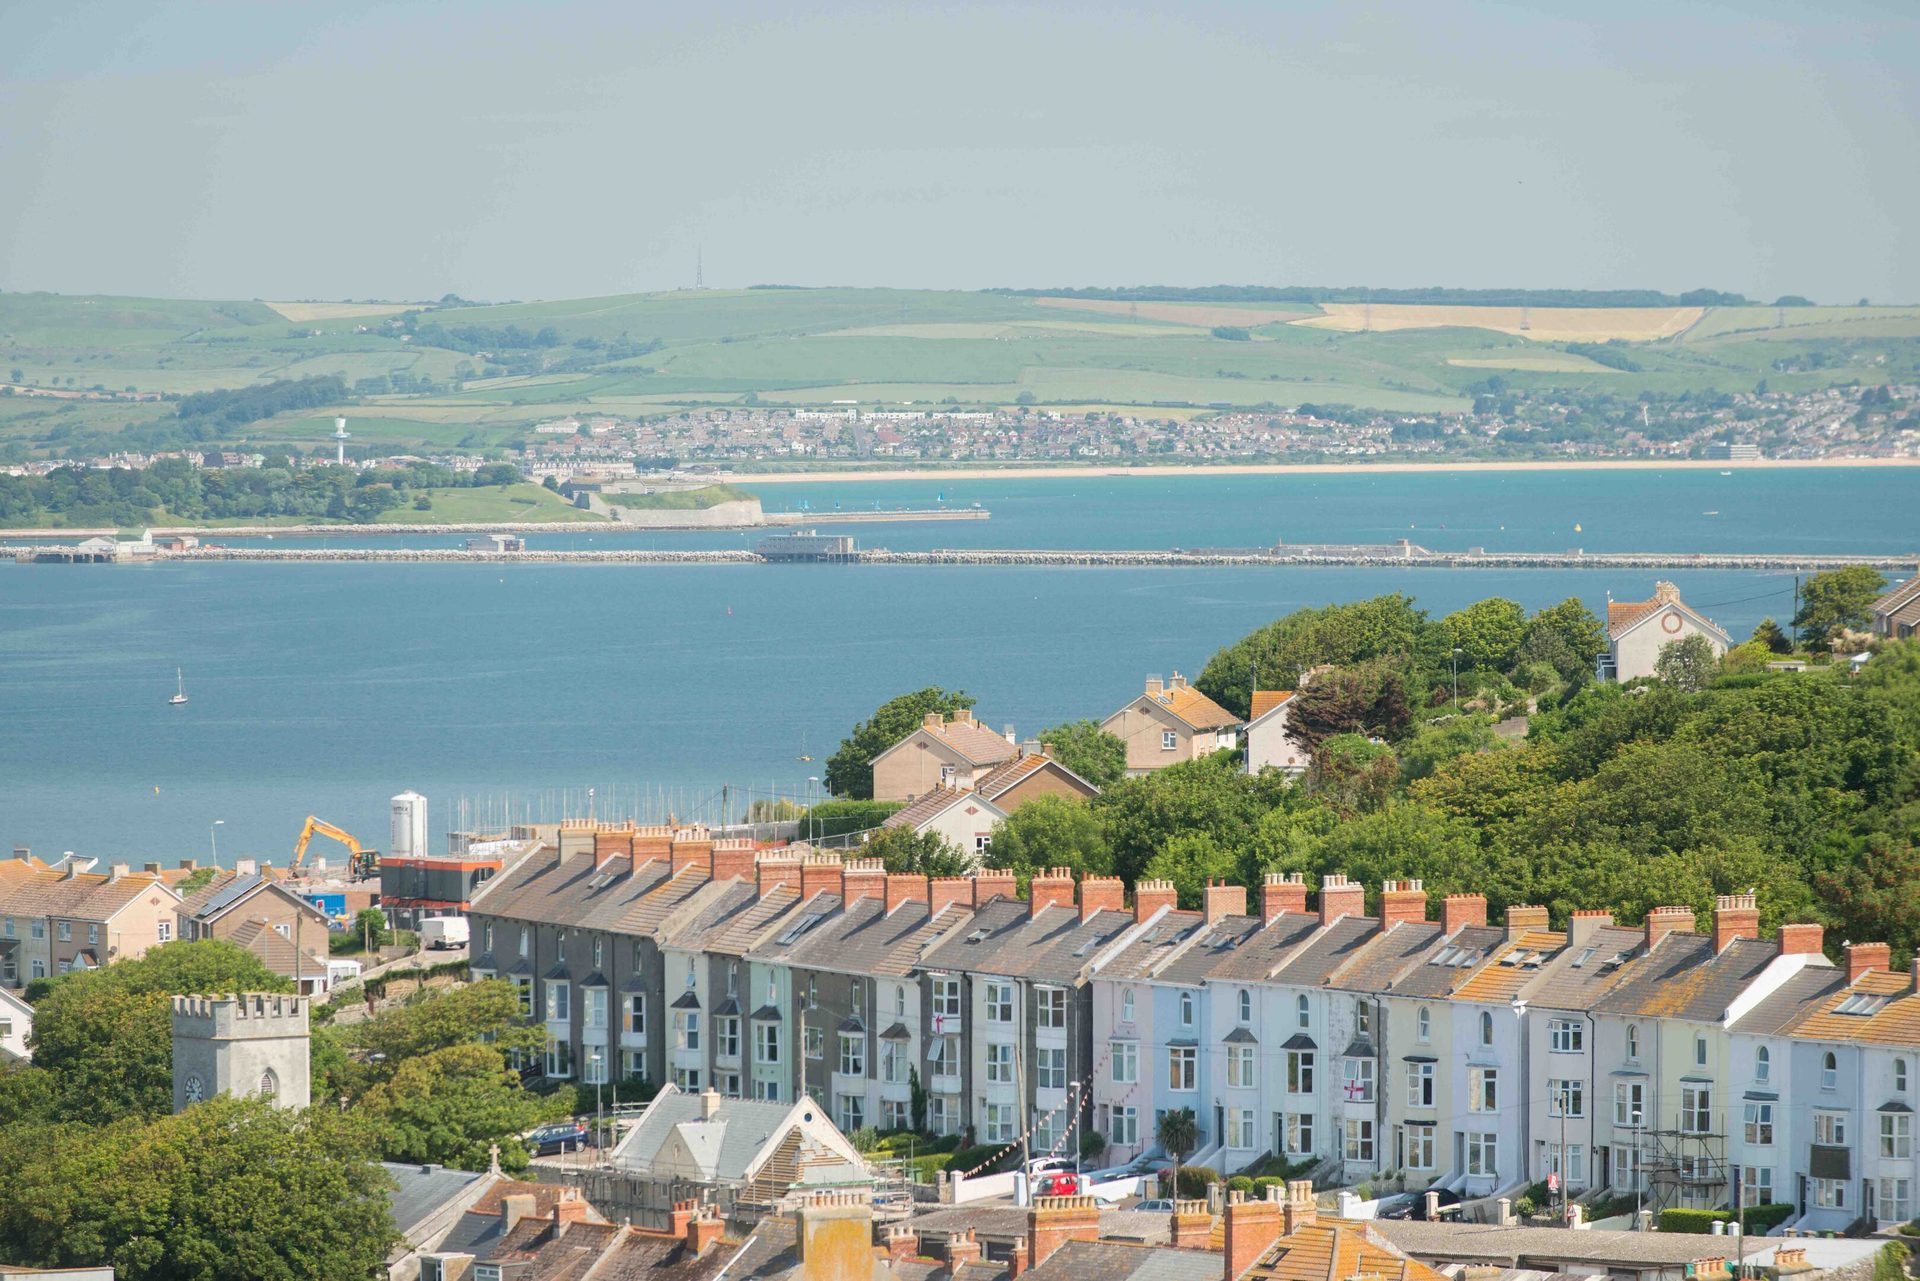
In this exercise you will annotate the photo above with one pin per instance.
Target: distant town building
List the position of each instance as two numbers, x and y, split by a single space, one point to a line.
66 917
1735 450
1268 743
1171 722
1638 630
1896 615
951 753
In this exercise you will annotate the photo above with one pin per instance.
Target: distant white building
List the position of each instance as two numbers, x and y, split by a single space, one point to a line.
16 1026
1268 743
1638 630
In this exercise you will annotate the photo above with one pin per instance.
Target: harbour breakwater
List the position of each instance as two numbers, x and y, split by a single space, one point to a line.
1324 555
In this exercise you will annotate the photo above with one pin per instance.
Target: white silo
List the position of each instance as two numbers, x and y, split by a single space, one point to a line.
409 826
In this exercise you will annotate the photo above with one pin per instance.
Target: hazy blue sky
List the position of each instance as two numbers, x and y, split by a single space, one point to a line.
347 149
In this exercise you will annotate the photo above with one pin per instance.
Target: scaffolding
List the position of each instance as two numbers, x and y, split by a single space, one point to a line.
1682 1168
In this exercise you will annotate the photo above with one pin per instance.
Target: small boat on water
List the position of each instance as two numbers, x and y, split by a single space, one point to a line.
179 688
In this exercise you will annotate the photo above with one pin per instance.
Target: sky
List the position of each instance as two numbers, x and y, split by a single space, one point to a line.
554 150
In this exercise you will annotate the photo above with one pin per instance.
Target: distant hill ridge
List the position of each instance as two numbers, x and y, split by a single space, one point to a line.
1436 295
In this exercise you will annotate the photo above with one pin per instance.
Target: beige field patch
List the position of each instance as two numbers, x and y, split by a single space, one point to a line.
307 312
1204 314
1544 362
1542 324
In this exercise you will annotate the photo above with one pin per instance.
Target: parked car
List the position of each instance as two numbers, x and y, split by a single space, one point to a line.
1153 1207
1059 1183
561 1136
1042 1164
1413 1205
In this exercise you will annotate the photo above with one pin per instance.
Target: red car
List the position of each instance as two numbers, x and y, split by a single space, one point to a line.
1059 1183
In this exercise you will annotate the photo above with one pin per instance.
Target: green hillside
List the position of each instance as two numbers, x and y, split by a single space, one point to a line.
473 377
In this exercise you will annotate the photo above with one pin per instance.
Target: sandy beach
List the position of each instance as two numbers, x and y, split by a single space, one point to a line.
1301 469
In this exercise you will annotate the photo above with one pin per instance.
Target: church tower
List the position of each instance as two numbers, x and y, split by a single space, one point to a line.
252 1044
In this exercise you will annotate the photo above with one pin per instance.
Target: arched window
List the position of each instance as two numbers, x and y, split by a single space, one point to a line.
1829 1070
1246 1006
1633 1041
1186 1009
1426 1025
269 1084
1486 1028
1126 1006
1300 1009
1762 1063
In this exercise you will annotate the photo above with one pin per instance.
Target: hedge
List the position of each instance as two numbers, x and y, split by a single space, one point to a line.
1194 1181
966 1158
1754 1219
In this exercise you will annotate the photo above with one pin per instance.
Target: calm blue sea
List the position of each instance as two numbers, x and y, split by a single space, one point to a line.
508 691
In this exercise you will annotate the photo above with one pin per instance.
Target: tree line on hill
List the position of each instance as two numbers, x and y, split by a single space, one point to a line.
177 491
1715 777
100 1170
1431 296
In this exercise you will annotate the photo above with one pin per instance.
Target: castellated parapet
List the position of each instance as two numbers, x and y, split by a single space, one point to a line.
250 1044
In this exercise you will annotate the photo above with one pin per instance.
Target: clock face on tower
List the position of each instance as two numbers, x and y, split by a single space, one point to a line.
195 1091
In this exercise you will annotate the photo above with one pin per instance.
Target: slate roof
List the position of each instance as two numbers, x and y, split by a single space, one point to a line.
1152 946
1901 603
1579 976
640 1254
561 1252
724 1144
1122 1261
219 893
741 930
1009 1223
1682 978
543 890
1313 964
778 945
1209 946
866 939
421 1190
1054 946
1257 957
1800 995
1506 1246
479 1228
1378 964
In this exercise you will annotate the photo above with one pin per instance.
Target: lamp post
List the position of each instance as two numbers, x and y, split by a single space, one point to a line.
1455 659
813 788
213 837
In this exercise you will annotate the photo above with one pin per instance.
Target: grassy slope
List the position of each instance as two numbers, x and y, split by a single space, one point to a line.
508 503
807 346
678 500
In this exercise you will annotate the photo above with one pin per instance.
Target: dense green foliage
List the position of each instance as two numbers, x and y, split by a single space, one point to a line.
842 817
241 405
104 1038
1835 600
850 769
1804 786
226 1191
927 853
1755 1218
175 490
1088 750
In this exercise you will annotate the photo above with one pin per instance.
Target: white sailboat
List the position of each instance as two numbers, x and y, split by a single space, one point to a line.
179 688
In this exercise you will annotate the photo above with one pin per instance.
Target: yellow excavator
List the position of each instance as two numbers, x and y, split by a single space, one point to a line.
365 862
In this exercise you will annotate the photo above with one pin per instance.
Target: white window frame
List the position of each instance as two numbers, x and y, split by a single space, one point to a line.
1183 1063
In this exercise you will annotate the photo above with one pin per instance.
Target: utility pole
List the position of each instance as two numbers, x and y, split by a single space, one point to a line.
1455 659
1794 622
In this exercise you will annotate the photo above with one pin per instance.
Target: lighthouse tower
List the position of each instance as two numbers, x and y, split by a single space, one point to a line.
340 436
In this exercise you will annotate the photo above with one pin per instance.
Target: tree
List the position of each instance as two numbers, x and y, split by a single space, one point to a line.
1192 861
1051 831
1487 633
916 1101
1211 797
1566 635
1353 773
1178 1134
1768 633
928 853
488 1011
451 1105
1279 654
850 769
1370 699
1686 664
106 1035
229 1190
1089 751
1836 599
370 923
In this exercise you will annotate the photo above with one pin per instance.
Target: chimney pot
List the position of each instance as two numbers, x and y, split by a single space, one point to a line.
1662 921
1340 897
991 884
1735 916
1102 894
1402 901
1522 917
1282 892
1804 939
1052 888
1459 911
1150 896
1224 900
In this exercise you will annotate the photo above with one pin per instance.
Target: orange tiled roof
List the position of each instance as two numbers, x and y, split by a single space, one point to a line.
1265 700
1498 980
1336 1250
1193 707
1890 1014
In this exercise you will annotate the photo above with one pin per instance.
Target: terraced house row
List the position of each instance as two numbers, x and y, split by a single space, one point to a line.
1652 1061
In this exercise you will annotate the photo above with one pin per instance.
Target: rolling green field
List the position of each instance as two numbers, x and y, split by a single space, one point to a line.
494 504
873 346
